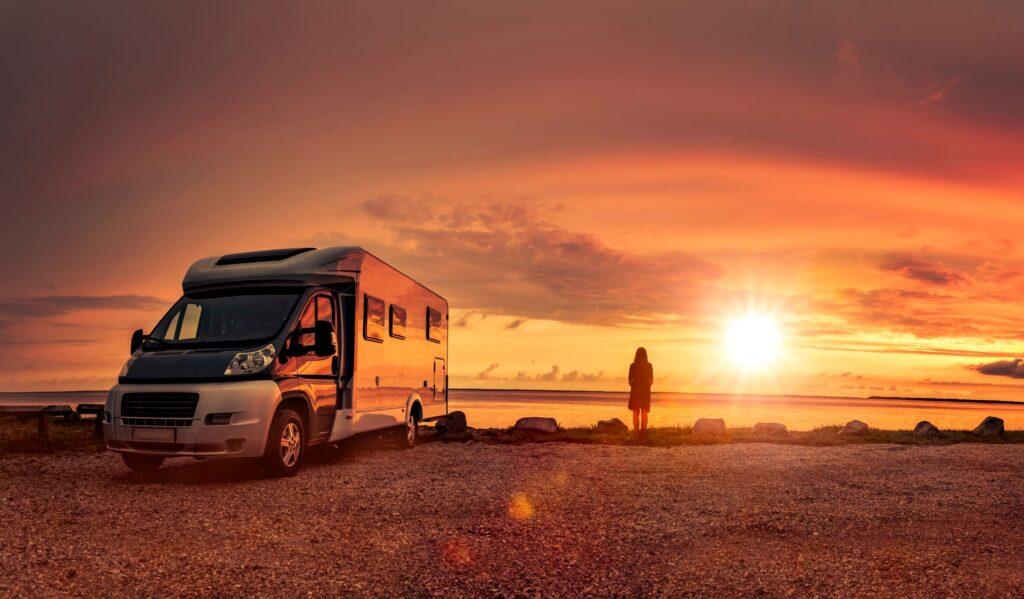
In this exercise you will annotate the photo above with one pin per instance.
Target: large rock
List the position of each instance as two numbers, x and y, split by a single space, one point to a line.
452 424
925 429
855 427
709 426
536 424
772 429
990 427
611 427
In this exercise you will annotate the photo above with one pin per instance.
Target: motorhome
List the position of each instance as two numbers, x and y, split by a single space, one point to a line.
270 352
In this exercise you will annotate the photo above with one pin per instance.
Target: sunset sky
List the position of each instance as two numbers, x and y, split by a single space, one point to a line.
577 178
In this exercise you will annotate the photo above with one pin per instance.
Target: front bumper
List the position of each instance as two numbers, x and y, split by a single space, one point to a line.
250 403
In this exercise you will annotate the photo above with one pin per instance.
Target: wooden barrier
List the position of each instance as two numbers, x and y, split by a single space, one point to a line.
40 413
96 409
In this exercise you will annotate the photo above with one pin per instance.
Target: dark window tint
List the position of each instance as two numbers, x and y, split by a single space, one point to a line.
398 317
434 325
373 319
225 319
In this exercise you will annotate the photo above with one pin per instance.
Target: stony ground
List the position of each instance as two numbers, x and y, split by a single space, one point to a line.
536 519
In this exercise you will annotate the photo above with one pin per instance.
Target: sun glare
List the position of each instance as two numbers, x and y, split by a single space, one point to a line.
753 341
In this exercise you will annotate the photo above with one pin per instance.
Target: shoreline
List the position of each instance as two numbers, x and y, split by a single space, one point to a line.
662 394
19 437
827 436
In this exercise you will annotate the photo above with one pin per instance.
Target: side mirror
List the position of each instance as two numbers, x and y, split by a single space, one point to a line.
137 338
323 339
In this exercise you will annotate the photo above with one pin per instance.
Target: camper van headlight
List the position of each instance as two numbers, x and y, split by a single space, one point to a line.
249 362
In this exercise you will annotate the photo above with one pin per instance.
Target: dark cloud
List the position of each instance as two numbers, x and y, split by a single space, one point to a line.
894 348
574 376
920 313
488 372
506 259
555 375
1011 368
49 306
515 324
551 375
918 269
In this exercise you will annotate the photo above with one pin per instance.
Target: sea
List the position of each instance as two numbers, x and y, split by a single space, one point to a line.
485 408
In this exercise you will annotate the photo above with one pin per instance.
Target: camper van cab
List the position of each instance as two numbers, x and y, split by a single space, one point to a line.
270 352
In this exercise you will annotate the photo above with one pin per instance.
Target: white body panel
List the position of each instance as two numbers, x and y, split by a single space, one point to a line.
252 402
393 374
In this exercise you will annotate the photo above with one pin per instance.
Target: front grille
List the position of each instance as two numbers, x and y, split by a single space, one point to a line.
129 421
159 405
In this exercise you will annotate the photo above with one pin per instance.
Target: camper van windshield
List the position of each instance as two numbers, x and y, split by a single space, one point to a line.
225 320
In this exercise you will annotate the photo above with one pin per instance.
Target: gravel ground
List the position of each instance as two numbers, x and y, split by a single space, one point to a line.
536 519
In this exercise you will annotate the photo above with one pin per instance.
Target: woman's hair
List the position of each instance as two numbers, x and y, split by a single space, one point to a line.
641 356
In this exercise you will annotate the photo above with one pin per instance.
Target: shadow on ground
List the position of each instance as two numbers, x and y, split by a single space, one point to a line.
189 471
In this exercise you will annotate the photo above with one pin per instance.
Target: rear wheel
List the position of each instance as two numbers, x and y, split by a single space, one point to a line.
412 427
138 462
285 444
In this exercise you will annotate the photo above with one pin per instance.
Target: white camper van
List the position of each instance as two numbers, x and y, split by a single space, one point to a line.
270 352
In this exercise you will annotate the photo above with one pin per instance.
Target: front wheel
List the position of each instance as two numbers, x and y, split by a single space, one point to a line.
412 427
285 444
138 462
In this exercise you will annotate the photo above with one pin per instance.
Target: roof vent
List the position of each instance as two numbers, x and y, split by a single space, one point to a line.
261 256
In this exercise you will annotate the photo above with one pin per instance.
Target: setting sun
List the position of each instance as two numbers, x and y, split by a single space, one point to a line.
753 341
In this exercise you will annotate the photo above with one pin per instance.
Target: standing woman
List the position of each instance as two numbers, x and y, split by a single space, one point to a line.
641 375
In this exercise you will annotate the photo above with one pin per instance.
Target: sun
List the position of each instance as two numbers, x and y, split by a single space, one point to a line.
753 341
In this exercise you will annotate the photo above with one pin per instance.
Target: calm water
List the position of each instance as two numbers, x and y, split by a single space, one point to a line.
486 409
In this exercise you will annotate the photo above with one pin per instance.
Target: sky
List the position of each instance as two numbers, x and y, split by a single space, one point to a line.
577 178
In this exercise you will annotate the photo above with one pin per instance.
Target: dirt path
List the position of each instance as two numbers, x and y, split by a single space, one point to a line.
552 519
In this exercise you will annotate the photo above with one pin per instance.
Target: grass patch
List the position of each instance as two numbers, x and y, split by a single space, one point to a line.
676 436
19 437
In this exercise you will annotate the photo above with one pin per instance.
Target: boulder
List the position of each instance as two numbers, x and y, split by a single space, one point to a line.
990 427
452 424
773 429
536 424
612 427
925 429
855 427
709 426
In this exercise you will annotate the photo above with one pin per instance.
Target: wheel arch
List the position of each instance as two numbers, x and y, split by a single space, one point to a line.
414 405
300 402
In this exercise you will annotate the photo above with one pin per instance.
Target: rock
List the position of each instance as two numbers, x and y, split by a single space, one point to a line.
709 426
989 427
925 429
855 427
537 425
612 427
773 429
452 424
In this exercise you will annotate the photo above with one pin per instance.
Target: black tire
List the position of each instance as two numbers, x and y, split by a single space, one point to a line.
286 444
411 429
139 462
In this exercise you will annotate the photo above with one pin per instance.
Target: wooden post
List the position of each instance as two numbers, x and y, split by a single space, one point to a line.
43 428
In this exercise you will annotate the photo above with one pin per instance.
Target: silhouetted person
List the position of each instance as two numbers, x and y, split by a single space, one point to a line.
641 376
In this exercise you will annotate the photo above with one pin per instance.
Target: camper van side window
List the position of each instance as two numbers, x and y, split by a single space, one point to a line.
373 319
397 322
433 325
